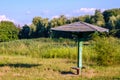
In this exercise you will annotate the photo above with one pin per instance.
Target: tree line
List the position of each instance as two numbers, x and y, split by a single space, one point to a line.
40 27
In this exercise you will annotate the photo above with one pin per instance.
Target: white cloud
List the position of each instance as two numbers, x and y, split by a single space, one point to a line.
85 10
56 16
4 18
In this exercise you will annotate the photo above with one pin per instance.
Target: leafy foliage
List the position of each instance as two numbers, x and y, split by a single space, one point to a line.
99 18
111 12
8 31
107 50
25 32
40 27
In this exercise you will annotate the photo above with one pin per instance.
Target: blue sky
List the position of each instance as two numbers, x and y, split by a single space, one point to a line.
23 11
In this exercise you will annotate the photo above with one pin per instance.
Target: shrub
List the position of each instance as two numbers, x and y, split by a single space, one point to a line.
107 50
8 31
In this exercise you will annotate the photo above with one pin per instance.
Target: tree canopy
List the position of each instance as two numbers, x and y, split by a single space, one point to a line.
8 31
40 27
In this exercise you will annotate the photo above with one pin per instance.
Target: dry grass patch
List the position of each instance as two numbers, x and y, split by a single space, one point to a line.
28 68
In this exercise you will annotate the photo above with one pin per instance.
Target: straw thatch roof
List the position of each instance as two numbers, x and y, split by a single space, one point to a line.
79 27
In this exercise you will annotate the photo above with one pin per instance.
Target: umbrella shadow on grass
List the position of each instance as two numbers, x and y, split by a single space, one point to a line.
67 73
20 65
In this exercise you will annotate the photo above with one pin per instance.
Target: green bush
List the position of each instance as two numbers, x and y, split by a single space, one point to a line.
8 31
107 50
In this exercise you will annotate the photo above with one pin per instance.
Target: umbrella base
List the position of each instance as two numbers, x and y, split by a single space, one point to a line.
77 69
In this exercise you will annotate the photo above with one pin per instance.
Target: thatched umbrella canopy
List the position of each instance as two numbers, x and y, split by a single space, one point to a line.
79 28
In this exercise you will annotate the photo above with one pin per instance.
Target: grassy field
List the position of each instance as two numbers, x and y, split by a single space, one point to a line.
47 59
27 68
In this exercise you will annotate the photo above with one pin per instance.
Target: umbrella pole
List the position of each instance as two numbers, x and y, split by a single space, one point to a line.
79 59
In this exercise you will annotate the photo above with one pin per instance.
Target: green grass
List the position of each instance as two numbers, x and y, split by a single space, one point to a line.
28 68
42 48
102 51
48 59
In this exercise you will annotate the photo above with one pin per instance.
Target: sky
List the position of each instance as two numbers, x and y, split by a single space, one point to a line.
23 11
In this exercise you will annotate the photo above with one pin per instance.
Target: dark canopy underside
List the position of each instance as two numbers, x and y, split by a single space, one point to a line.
79 27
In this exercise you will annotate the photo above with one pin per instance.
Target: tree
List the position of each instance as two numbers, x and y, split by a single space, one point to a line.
99 18
36 20
112 23
85 18
53 22
112 20
62 20
111 12
118 22
33 31
41 26
8 31
25 32
92 20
